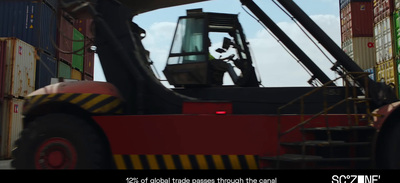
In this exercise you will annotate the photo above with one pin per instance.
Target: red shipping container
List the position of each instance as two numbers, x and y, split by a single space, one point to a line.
88 78
85 27
65 36
88 62
359 19
2 67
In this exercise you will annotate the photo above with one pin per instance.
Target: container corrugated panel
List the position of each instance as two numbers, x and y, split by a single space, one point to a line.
361 50
396 34
344 3
88 78
85 27
383 35
46 68
20 65
382 9
2 67
357 17
78 47
31 21
75 74
88 66
387 72
11 125
64 38
64 70
52 3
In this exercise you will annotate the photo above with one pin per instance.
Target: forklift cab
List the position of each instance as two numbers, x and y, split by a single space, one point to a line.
189 63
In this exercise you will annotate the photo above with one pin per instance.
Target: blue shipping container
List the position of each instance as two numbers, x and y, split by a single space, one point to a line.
46 68
31 21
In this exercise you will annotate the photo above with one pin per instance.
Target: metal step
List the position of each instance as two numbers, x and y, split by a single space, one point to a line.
309 158
324 143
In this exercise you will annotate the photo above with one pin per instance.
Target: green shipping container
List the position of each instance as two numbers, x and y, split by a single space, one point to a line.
78 44
396 17
64 70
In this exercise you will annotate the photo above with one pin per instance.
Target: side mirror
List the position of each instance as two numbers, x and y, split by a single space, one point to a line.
226 43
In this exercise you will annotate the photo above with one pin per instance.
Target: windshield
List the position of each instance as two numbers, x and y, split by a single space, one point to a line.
187 45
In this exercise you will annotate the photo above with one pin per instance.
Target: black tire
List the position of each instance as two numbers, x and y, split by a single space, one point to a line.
388 147
60 141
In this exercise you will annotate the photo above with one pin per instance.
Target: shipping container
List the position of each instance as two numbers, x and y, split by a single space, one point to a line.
383 35
2 67
357 20
386 72
372 73
64 70
64 37
396 33
85 26
344 3
53 4
75 74
382 9
11 125
88 66
46 68
88 78
31 21
78 47
361 50
20 64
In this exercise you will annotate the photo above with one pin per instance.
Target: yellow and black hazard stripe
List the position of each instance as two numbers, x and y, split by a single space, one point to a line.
187 162
93 103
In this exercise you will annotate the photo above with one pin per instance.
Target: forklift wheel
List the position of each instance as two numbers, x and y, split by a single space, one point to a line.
59 141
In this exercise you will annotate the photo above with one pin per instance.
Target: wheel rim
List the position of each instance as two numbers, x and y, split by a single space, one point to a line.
56 153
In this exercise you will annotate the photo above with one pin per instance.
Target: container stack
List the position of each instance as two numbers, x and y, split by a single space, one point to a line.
356 17
38 41
396 36
383 35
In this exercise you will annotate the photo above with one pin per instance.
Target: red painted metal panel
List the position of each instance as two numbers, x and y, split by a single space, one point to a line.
207 108
357 20
203 134
88 78
64 38
88 63
2 67
85 27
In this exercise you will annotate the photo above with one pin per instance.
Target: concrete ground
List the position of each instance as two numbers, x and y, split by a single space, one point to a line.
5 165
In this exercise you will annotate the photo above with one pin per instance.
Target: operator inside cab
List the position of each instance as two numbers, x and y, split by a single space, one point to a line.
190 63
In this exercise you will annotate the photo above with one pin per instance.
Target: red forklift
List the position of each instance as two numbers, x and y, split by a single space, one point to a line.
132 121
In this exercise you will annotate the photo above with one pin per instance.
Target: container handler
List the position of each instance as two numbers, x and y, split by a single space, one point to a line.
135 122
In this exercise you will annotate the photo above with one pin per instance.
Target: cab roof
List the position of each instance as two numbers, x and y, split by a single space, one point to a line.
142 6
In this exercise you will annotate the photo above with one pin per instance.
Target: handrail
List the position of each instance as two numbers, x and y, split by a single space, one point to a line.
347 98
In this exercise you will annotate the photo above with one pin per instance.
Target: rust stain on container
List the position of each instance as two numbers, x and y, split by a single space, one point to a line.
20 65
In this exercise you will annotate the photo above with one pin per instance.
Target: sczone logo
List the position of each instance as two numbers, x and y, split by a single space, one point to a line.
355 178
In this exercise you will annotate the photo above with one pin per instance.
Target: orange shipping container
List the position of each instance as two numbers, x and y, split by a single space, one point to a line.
75 74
